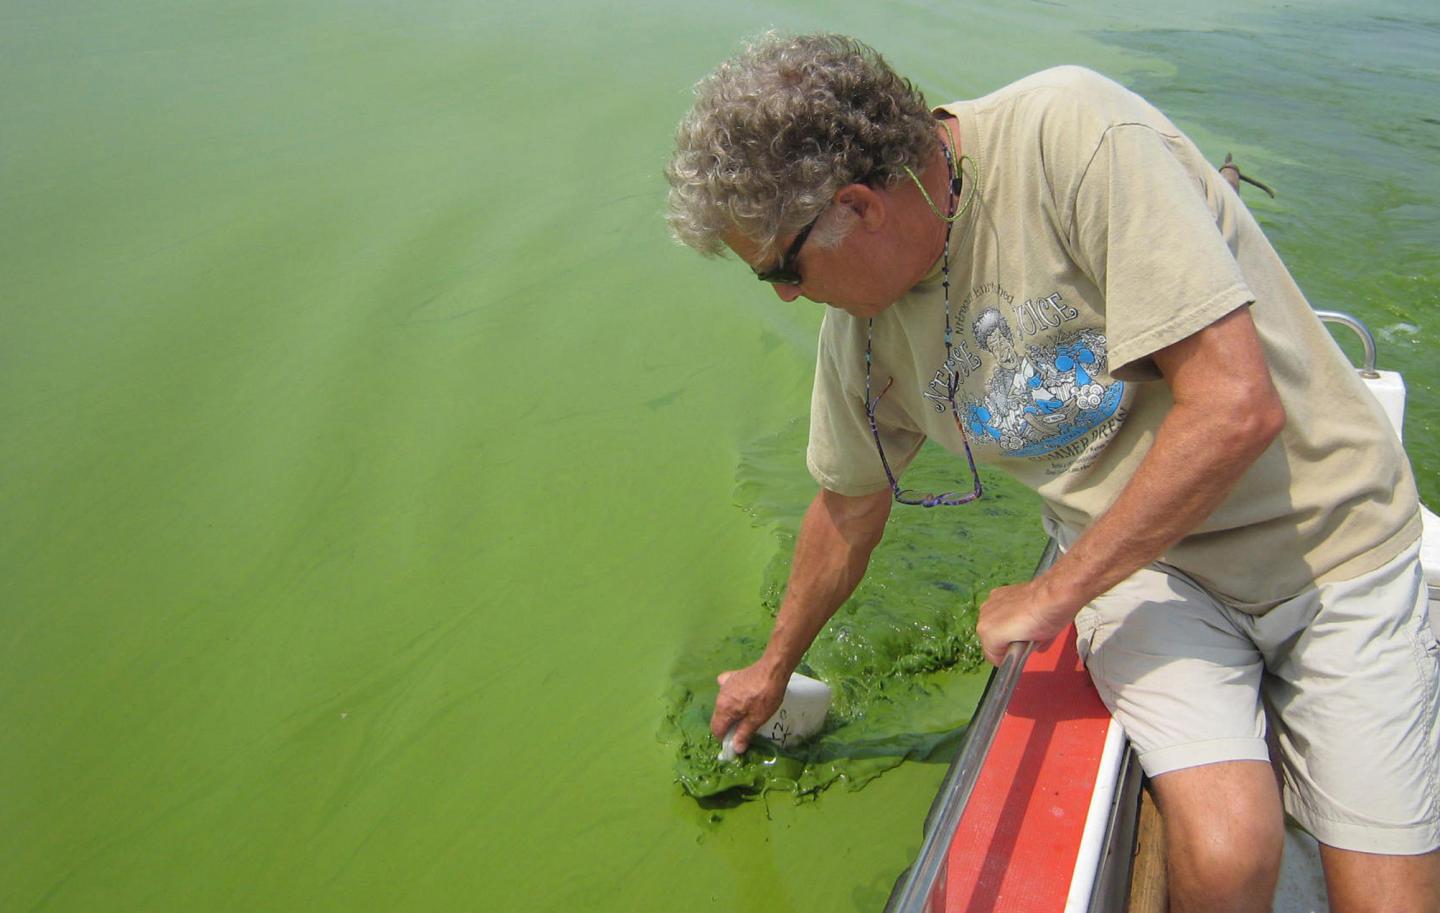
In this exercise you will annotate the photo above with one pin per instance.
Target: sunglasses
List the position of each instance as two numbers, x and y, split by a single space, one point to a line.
785 272
910 495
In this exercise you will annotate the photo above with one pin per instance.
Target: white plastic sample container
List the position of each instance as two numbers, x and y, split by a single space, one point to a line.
801 715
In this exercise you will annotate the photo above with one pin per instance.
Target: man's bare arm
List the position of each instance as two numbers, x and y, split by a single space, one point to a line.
1226 413
831 554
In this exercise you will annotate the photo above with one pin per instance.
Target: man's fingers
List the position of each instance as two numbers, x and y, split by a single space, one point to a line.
725 713
743 731
721 721
994 649
735 725
745 702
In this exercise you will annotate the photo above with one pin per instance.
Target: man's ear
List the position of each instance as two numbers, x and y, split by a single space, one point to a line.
867 205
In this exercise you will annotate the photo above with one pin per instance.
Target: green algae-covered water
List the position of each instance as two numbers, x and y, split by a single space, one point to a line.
380 485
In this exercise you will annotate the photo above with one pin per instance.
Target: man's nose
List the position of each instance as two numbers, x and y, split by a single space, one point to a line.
787 292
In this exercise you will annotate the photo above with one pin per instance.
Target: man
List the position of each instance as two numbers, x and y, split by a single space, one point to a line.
1052 279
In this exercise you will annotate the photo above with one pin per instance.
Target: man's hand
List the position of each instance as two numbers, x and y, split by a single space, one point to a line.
1025 611
748 697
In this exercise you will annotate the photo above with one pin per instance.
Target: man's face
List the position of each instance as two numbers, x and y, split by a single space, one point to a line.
851 276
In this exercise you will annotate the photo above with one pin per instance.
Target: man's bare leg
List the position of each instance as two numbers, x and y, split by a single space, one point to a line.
1224 833
1368 883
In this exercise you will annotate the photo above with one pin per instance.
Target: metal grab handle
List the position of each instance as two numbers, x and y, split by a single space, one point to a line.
912 893
1367 340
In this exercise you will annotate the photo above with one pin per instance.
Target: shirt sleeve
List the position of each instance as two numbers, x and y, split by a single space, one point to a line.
1145 231
842 456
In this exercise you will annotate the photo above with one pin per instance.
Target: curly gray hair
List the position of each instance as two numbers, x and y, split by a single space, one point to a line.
779 128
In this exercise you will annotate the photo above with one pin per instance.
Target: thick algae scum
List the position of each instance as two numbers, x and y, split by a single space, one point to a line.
901 656
370 457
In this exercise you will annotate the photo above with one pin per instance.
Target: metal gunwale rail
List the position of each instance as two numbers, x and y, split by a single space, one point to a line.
913 892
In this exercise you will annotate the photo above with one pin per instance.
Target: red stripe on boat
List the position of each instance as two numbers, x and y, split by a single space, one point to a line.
1014 849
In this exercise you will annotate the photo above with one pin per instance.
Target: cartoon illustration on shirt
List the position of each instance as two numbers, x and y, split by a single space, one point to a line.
1042 399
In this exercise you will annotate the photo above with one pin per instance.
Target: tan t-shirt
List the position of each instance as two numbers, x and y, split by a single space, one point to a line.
1100 235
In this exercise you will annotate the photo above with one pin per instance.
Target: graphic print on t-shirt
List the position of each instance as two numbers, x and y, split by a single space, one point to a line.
1053 393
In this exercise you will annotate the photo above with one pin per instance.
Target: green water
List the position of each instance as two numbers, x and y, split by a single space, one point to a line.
375 471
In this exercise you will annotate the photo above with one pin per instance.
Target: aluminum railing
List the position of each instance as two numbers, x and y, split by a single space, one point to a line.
912 892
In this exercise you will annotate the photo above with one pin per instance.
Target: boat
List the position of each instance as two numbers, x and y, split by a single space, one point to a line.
1044 808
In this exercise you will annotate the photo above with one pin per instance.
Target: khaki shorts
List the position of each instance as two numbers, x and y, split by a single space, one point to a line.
1348 673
